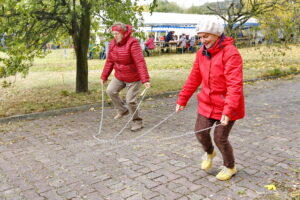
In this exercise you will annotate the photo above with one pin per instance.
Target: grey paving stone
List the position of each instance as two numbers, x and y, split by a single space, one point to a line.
58 158
31 194
103 190
94 196
166 192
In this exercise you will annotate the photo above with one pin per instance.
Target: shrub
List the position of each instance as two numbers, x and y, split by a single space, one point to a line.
2 72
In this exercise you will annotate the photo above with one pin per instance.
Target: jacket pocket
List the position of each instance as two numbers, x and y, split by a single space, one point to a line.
218 100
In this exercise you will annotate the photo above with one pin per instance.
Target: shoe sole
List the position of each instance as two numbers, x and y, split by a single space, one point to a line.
229 178
137 129
124 114
206 168
226 179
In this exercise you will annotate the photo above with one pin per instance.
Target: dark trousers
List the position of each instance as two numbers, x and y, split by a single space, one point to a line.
181 50
167 46
221 134
147 51
102 55
192 49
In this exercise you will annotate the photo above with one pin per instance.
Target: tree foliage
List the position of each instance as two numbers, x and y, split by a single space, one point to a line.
168 7
237 12
30 24
203 9
283 24
172 7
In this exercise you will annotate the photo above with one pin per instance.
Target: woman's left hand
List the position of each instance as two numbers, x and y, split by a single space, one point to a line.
147 85
224 120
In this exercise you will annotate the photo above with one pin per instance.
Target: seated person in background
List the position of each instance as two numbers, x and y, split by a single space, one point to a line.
168 38
149 44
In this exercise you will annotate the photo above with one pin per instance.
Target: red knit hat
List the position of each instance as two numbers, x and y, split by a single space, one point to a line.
118 28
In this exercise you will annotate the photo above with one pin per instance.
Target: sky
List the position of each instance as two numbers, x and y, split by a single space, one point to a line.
188 3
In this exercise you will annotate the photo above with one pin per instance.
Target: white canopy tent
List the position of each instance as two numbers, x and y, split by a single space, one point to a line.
180 23
160 18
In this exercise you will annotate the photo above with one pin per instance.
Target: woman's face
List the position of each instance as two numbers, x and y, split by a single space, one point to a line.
118 36
207 39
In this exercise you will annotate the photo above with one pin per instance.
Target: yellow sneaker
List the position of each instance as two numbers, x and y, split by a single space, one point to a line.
226 173
207 160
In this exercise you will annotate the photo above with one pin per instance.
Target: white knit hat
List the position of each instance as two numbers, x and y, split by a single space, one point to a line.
210 26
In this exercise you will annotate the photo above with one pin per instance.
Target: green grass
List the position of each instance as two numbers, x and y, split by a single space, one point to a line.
50 83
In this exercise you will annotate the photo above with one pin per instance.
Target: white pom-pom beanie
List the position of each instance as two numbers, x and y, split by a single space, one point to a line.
210 26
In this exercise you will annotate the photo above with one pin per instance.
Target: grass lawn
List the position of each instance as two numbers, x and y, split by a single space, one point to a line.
50 83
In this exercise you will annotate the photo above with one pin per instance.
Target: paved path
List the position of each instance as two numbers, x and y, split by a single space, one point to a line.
58 158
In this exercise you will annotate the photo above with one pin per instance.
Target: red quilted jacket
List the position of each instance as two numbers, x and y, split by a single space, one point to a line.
127 59
150 43
221 79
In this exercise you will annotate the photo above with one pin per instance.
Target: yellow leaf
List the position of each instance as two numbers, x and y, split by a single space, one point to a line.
270 187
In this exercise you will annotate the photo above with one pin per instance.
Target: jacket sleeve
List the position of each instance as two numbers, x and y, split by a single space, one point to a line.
147 42
234 80
191 84
108 67
139 61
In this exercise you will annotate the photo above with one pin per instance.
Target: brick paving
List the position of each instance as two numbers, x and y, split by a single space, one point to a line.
58 158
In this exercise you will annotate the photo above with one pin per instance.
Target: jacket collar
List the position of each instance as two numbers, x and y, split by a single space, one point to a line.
219 45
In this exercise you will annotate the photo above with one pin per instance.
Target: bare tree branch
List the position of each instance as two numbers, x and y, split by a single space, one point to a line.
236 13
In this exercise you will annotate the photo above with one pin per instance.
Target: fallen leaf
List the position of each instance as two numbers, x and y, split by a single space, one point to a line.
270 187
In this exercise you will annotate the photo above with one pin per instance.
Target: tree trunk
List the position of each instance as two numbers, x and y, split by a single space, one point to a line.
81 48
81 67
229 29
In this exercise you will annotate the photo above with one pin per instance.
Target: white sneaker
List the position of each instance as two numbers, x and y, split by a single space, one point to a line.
207 160
226 173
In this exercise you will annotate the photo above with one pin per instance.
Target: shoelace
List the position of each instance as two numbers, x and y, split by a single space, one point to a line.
223 169
205 156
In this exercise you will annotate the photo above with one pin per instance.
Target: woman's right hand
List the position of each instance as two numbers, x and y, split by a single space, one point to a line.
103 81
179 108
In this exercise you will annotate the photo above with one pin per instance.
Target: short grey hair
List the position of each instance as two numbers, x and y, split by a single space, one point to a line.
120 24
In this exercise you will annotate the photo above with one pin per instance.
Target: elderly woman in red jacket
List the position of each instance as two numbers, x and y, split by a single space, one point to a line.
218 69
125 56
